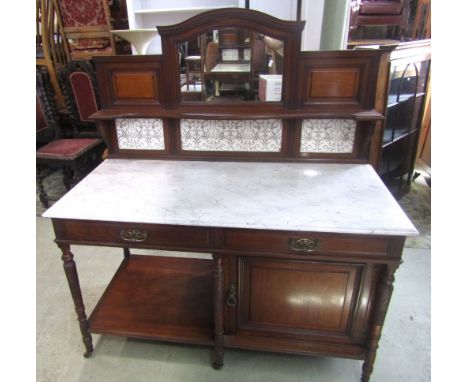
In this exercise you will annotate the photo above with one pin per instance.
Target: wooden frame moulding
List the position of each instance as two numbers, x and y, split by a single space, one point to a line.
287 31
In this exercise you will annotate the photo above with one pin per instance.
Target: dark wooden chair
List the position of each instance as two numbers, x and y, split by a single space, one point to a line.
79 87
75 156
379 12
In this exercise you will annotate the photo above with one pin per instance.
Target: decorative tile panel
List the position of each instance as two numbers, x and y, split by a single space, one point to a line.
328 135
260 135
140 133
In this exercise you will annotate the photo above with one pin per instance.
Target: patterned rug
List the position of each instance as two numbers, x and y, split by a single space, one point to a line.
416 203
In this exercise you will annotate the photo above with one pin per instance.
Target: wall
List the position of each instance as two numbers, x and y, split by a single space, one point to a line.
312 11
334 33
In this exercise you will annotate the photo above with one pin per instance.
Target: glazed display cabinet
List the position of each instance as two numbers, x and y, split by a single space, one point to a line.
407 88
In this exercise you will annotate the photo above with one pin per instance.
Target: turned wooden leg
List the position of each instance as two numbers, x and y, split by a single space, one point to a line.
73 282
67 177
218 312
126 252
40 185
385 293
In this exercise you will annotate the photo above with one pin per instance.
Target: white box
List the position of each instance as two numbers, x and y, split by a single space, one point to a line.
270 86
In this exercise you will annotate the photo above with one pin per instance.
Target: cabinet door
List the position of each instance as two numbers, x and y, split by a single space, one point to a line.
297 299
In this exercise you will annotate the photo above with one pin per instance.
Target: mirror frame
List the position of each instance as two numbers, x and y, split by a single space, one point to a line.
288 31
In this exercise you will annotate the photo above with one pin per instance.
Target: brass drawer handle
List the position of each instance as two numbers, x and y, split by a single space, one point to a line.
133 235
304 245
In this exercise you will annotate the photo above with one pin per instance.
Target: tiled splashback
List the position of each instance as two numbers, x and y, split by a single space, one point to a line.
328 135
261 135
140 133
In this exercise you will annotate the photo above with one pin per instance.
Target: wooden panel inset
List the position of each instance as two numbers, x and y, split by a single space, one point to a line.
303 295
333 83
138 85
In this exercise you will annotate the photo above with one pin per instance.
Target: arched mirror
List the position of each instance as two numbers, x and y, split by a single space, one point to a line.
232 56
231 64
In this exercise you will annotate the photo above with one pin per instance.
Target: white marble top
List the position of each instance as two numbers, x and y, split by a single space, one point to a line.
342 198
228 67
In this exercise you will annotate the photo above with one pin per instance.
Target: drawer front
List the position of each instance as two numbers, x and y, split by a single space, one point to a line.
132 235
304 243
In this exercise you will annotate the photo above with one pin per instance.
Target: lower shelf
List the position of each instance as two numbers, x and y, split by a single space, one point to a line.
163 298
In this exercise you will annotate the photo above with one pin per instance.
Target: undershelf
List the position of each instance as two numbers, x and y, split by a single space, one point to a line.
162 298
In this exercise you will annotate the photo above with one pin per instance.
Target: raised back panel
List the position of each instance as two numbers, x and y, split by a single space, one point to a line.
341 78
334 83
131 86
326 113
129 80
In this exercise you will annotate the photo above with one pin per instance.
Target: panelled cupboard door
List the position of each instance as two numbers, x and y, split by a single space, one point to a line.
300 299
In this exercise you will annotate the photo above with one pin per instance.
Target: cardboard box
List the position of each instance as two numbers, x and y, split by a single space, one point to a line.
270 86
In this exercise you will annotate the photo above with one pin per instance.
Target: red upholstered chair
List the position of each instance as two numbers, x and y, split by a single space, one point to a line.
379 12
87 28
76 157
79 87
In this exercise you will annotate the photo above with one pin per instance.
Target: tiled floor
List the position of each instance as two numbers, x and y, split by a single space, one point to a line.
404 353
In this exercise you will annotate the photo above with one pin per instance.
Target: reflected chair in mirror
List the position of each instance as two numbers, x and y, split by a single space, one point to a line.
87 28
379 12
79 87
192 72
75 156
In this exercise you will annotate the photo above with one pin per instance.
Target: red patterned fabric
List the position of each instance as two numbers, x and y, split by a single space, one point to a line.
82 13
89 43
67 149
87 53
84 94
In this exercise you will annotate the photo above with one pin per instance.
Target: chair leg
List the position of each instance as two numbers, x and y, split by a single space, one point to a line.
40 185
67 177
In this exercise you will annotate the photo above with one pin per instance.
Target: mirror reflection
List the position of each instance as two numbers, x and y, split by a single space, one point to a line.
231 65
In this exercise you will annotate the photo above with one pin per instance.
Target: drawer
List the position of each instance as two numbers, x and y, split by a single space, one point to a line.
297 242
131 235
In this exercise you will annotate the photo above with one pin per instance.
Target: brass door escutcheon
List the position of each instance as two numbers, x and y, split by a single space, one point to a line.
304 245
232 300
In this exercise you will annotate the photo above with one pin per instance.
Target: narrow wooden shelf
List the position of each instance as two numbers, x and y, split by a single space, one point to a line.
237 111
162 298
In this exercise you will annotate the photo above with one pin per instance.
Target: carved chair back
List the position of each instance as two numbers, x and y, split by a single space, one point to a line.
79 86
87 27
47 125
